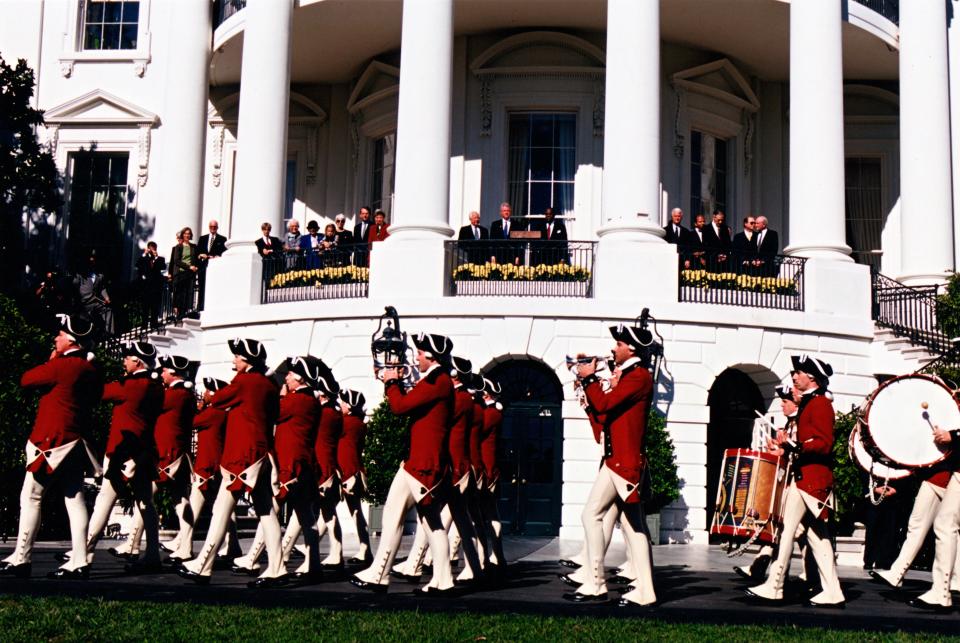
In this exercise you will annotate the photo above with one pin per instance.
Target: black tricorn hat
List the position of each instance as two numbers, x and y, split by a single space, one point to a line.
353 399
320 377
144 351
250 350
812 366
185 368
439 346
632 335
79 328
784 392
213 384
491 388
460 366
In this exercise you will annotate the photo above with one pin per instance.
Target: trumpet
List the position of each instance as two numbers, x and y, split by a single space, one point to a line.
603 363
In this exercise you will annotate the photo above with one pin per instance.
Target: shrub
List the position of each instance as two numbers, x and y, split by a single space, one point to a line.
848 486
948 307
388 437
662 464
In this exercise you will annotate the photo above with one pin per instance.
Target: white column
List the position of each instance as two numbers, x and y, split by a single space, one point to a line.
631 160
234 279
184 120
926 201
410 261
817 207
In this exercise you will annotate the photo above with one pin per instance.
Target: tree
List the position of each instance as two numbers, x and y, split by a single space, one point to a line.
28 174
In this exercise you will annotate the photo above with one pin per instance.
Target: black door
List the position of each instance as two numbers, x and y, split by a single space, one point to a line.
98 212
530 448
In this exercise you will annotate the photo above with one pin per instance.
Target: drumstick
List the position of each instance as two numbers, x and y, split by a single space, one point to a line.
926 416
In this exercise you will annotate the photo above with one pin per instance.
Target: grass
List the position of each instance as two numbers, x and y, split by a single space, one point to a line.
72 619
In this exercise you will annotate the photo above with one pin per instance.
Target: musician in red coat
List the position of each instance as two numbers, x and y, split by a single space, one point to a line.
350 460
252 402
810 492
56 450
620 478
488 495
428 405
129 457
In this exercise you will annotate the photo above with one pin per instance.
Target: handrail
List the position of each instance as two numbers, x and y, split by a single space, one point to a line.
889 9
909 311
224 9
337 272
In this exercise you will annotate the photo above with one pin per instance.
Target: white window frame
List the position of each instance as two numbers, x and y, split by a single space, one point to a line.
74 53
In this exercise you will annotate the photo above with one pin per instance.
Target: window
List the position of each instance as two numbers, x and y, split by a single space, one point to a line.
289 189
864 204
98 208
110 24
708 174
384 158
542 162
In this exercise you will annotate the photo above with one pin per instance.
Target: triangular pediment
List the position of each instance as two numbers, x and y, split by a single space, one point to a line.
540 52
719 79
99 107
378 81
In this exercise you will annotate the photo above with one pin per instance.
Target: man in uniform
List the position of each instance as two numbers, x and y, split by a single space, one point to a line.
496 563
350 461
809 494
429 405
56 449
621 477
252 402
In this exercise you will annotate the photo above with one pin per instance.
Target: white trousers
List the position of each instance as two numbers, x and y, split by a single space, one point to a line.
301 502
354 507
603 495
925 508
399 500
582 573
325 522
180 489
945 527
142 489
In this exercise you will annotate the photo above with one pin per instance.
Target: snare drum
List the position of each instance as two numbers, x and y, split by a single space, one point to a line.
898 421
749 495
859 455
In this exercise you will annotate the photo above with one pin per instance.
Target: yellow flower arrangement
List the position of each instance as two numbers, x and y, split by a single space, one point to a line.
733 281
321 276
508 272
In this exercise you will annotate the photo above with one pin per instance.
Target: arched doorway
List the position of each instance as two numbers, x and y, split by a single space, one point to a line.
733 400
530 451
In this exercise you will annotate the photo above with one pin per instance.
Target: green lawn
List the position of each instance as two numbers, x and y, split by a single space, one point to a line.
67 619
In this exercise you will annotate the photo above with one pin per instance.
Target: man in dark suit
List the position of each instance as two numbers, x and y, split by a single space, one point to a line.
695 258
209 247
768 245
716 238
553 240
360 232
271 249
150 273
474 233
674 232
500 230
744 246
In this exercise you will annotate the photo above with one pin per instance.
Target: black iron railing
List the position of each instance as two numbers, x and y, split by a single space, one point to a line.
522 267
909 311
889 9
335 273
741 279
226 8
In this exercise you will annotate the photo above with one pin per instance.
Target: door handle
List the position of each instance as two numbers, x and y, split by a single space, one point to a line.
524 481
513 481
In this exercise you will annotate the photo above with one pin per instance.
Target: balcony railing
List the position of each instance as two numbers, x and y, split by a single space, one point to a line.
226 8
146 311
741 279
889 9
909 311
529 268
337 273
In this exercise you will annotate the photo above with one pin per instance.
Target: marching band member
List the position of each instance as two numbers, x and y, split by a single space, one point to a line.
475 387
55 450
252 402
496 563
620 479
129 460
350 460
809 494
429 405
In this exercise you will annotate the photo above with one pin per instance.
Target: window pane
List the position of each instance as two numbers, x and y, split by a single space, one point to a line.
542 131
131 11
112 11
118 171
564 165
128 37
94 11
519 131
563 198
518 198
540 197
564 133
92 37
101 171
541 164
111 36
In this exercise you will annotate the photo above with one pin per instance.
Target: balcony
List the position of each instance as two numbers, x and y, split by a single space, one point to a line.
741 279
889 9
525 268
336 273
226 8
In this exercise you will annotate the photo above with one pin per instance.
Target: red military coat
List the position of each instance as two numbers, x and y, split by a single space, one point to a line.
937 477
296 433
350 446
815 440
429 405
210 424
253 402
626 408
328 438
458 443
476 438
138 401
72 388
492 419
172 430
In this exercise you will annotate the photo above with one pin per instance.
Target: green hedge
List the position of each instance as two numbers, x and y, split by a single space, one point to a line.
664 481
388 437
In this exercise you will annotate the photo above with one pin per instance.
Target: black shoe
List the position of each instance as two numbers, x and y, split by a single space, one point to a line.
62 557
122 555
563 562
433 592
376 588
139 567
830 606
331 567
929 607
577 597
244 571
620 580
762 599
410 578
199 579
175 560
569 581
365 562
80 573
743 574
269 582
17 571
880 579
637 607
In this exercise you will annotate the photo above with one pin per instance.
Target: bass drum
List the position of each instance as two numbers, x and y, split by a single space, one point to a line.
749 495
859 455
898 421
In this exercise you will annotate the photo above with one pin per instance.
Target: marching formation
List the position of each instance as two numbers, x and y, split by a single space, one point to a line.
291 438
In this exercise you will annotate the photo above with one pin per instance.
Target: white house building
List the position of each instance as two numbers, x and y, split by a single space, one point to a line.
830 117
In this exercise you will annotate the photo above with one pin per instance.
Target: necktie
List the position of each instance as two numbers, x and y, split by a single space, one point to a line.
210 247
506 230
676 231
760 238
476 233
549 230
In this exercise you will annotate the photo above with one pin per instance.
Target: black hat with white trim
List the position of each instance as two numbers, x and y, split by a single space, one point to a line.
302 368
250 350
212 384
79 328
322 379
634 336
354 399
144 351
784 392
491 388
815 368
437 346
459 367
185 368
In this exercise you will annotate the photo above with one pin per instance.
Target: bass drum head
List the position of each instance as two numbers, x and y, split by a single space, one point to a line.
859 455
898 427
